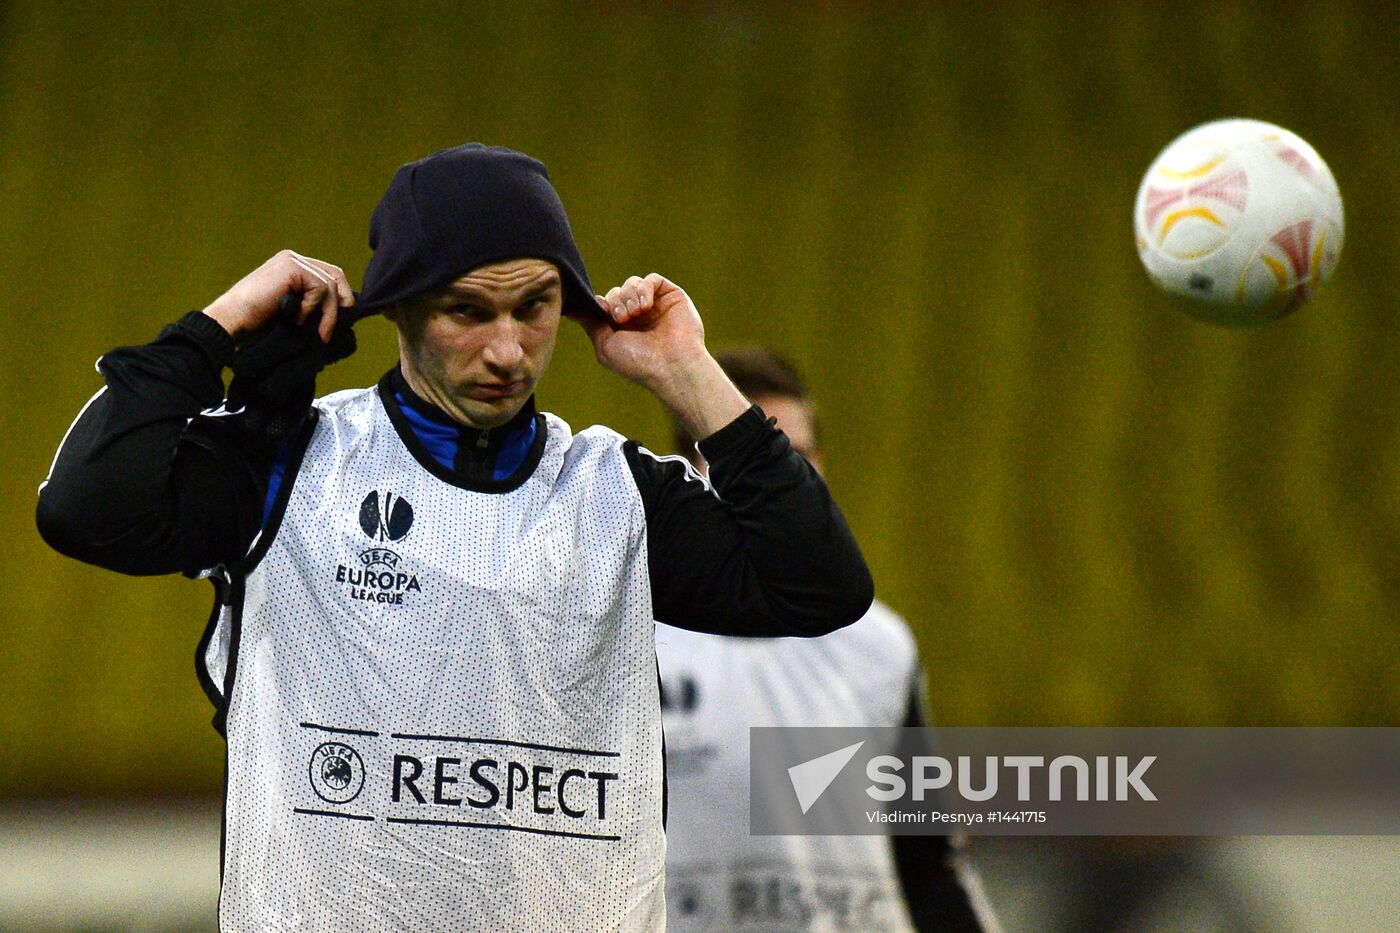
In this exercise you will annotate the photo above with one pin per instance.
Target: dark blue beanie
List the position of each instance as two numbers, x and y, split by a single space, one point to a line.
461 208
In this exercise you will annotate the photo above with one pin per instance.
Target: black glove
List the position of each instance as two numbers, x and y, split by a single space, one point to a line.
275 369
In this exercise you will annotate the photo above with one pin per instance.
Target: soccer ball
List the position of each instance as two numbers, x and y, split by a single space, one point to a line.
1240 218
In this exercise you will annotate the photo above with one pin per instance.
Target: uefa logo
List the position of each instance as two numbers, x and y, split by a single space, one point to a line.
337 772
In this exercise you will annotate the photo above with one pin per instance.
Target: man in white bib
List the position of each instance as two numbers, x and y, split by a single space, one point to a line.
432 652
715 688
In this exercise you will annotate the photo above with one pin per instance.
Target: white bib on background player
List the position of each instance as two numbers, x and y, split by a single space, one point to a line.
444 712
715 687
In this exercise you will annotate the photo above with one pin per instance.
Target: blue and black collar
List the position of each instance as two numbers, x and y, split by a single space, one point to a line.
494 460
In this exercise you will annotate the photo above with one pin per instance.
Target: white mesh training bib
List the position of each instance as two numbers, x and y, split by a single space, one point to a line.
721 878
442 708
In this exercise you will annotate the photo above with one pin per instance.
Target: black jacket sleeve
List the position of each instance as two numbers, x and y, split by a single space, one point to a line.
141 484
928 871
766 553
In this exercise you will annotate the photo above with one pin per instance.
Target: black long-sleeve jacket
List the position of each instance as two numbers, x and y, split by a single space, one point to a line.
149 481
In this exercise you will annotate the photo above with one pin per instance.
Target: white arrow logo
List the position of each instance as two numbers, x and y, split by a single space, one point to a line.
811 778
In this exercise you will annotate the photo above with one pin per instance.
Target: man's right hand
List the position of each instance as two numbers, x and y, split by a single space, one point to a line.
252 302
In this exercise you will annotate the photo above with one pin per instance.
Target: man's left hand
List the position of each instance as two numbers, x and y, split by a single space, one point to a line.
649 327
650 332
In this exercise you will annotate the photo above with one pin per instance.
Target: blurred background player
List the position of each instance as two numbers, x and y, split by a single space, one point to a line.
714 688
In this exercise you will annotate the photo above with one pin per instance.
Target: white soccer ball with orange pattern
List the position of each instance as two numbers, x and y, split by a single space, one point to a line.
1240 217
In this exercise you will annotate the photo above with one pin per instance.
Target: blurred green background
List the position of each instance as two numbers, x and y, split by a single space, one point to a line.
1093 509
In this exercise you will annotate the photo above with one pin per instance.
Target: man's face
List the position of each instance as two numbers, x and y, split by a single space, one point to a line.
477 346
